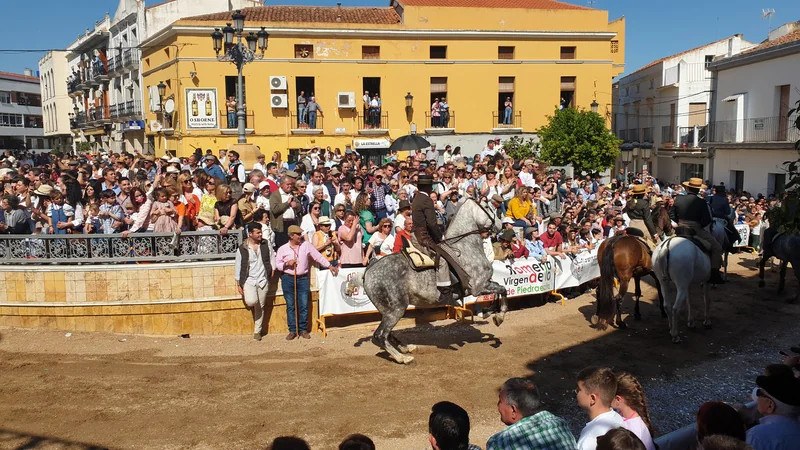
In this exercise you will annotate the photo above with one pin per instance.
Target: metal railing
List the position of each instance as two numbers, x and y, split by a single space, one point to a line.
671 76
249 120
298 124
374 120
647 134
763 129
498 120
687 137
130 58
115 249
667 135
446 121
132 108
114 64
114 110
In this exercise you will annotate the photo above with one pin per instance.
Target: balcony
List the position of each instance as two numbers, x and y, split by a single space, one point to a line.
688 72
777 130
375 123
303 125
99 116
114 64
130 58
692 137
114 110
232 127
132 108
444 124
512 125
74 87
667 136
78 121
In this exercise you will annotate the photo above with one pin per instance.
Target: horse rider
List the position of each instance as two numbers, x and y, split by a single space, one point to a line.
638 210
426 235
691 211
721 209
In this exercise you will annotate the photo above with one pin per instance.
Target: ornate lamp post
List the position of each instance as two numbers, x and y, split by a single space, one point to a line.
409 105
239 54
626 151
162 91
594 106
645 148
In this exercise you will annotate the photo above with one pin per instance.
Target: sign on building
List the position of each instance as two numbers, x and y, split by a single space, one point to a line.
201 109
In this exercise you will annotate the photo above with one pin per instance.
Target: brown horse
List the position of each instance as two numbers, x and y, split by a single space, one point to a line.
661 220
622 257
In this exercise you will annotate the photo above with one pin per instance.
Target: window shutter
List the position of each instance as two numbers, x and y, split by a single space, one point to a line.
506 84
153 94
438 84
567 83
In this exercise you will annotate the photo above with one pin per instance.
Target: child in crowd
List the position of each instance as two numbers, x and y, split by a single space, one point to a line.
59 213
180 210
631 403
110 213
164 213
597 237
262 201
597 387
92 223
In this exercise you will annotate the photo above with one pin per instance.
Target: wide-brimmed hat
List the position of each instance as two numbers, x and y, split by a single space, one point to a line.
149 158
619 218
173 169
292 174
694 183
294 229
507 220
404 204
497 198
425 180
249 188
782 387
531 229
637 189
324 220
528 162
44 190
507 235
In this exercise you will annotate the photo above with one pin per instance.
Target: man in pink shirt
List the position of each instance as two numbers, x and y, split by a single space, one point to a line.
293 259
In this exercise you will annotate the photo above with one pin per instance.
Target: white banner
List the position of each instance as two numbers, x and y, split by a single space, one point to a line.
744 234
201 108
520 277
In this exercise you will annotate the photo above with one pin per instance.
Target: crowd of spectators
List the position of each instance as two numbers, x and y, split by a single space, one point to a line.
350 207
619 419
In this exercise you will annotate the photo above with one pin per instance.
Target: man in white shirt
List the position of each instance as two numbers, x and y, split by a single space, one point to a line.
315 181
255 262
526 174
260 165
489 150
597 387
347 196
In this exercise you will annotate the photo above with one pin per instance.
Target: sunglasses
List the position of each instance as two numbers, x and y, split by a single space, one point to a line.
386 226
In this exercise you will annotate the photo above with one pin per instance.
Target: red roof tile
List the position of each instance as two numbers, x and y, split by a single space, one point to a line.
309 14
785 39
520 4
658 61
18 76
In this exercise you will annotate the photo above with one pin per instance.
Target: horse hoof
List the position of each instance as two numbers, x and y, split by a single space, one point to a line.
761 284
405 359
595 320
497 319
676 339
411 348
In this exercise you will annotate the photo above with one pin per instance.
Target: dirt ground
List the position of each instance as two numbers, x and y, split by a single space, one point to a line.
135 392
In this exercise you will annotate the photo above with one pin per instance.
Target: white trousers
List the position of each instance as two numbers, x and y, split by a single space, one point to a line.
256 297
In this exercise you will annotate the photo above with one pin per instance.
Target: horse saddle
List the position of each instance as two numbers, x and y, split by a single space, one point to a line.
690 234
419 261
630 231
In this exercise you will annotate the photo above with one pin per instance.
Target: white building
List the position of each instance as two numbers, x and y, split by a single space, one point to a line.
666 103
750 134
21 125
56 104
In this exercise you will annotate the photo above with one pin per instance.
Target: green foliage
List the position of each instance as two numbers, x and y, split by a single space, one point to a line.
83 147
787 216
579 138
520 149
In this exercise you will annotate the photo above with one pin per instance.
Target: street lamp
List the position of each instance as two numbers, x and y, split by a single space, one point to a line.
645 148
626 150
239 54
162 91
594 106
409 104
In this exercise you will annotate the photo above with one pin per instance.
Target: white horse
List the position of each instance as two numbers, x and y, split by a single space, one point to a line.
678 264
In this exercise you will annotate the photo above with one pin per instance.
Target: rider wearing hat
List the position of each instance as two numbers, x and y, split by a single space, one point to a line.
721 208
638 210
691 211
427 236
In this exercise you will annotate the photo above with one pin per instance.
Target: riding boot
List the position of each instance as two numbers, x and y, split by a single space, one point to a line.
716 277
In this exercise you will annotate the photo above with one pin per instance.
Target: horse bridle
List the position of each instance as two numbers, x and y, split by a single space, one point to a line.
479 229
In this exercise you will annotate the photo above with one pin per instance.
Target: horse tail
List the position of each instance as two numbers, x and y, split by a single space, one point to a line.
605 289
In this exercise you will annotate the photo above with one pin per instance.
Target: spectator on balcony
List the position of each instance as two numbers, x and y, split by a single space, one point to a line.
230 109
301 109
436 113
444 109
313 109
374 112
508 111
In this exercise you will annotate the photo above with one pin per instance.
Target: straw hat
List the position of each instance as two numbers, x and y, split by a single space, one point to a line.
44 190
694 183
249 188
324 220
638 189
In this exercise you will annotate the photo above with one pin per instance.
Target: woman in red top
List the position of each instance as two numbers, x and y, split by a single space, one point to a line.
190 202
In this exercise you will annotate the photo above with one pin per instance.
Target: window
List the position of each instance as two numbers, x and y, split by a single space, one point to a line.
776 183
614 46
505 92
651 84
304 51
709 60
5 97
40 143
438 52
737 180
691 171
11 120
567 52
567 99
505 52
438 92
370 52
638 88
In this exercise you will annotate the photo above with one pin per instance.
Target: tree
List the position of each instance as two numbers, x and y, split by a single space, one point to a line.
579 138
521 149
786 217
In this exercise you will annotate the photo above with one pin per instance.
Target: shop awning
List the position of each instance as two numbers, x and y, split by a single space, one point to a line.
371 144
732 98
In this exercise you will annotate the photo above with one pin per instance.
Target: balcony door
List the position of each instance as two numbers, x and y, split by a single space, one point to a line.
783 111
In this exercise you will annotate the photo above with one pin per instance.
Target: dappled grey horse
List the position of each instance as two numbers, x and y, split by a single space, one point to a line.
392 284
785 247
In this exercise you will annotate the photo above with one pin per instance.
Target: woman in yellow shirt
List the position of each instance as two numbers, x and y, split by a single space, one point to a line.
520 207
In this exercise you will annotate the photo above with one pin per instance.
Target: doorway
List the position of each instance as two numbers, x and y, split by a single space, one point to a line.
505 92
783 112
304 86
567 99
371 117
737 180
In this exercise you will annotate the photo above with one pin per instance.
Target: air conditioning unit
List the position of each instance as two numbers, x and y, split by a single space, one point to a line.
277 83
346 99
279 100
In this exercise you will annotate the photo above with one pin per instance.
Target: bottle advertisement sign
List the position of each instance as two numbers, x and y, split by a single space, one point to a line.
201 109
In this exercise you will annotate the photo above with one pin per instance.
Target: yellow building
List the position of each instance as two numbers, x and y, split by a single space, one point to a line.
539 53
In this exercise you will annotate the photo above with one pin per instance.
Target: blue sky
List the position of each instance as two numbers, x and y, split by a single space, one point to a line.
655 28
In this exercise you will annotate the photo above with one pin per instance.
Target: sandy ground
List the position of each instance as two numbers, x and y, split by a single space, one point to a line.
134 392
